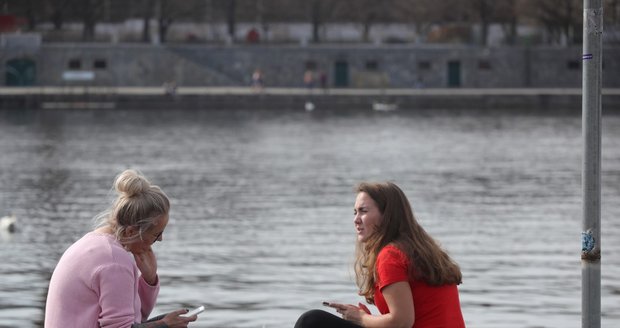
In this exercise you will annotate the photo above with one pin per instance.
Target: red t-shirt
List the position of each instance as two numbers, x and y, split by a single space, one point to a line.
434 306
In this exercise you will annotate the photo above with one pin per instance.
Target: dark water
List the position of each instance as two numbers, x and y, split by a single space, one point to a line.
261 225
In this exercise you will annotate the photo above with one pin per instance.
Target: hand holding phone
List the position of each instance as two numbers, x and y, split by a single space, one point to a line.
194 311
342 307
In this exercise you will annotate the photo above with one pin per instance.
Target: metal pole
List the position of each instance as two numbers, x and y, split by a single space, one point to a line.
591 175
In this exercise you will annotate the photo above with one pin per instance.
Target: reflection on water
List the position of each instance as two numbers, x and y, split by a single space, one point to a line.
261 224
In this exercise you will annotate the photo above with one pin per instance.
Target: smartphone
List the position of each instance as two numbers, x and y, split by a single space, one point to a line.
194 311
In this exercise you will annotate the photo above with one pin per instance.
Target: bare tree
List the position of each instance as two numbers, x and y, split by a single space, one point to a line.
613 7
612 24
320 12
23 8
147 15
507 14
426 15
90 12
231 19
484 10
316 19
423 14
58 9
487 12
370 12
167 12
31 14
562 19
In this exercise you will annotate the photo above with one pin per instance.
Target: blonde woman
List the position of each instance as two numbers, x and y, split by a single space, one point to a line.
108 278
399 268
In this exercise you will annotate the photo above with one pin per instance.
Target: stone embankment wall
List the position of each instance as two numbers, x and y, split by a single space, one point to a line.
346 66
563 101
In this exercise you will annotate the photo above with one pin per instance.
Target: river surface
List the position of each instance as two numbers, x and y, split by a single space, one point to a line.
261 222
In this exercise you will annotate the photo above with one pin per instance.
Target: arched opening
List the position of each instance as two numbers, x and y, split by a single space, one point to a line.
20 72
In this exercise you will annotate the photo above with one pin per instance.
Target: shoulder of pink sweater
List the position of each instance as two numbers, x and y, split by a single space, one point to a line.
108 245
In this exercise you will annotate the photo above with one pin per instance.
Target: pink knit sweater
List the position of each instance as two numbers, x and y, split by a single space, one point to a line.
97 284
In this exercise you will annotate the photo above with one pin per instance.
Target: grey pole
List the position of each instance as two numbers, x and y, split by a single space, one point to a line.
591 174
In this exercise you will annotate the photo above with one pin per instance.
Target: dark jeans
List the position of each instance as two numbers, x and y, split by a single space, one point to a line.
322 319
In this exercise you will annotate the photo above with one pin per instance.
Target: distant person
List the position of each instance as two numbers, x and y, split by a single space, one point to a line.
309 79
323 80
253 36
257 80
170 88
108 278
399 268
419 83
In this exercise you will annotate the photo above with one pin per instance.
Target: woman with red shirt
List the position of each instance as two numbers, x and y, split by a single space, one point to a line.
399 268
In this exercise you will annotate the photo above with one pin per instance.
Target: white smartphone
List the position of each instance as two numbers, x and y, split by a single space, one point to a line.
194 311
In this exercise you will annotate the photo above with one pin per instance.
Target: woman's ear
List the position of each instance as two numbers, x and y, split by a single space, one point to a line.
130 231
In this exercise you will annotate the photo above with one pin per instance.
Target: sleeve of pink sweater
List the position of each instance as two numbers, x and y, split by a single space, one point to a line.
148 295
118 298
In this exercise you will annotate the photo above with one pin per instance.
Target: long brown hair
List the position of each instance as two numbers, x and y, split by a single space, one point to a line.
428 261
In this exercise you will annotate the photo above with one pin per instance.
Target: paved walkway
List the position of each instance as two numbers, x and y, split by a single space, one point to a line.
531 99
145 91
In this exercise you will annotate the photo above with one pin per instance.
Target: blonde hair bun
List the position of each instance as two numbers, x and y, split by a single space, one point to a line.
131 183
138 203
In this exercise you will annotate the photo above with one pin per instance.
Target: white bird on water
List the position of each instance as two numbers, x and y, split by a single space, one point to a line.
8 223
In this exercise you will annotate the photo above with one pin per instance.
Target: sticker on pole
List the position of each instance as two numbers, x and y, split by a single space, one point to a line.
587 57
587 242
593 19
590 251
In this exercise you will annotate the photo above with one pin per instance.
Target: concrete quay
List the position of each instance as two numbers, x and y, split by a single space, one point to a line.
523 99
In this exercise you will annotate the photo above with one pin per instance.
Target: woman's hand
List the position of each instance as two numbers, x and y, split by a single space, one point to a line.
351 312
400 303
147 264
175 320
364 307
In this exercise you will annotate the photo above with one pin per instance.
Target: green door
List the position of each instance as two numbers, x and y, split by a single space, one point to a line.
20 72
341 71
454 74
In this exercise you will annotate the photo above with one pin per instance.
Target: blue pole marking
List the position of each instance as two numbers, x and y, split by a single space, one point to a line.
587 242
587 56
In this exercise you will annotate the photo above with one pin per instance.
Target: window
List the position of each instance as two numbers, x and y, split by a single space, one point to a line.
372 65
424 65
484 64
100 64
311 65
75 64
